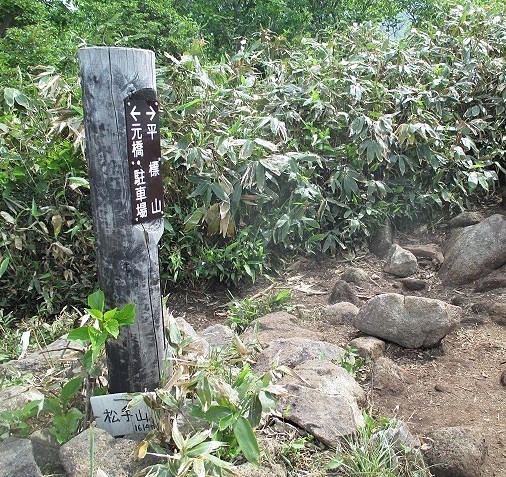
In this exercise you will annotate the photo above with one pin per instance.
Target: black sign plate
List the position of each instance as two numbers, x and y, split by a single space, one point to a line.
144 159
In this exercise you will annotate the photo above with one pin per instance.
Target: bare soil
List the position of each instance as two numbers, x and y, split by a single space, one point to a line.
454 384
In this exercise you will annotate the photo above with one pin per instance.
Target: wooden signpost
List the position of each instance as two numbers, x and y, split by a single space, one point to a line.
123 154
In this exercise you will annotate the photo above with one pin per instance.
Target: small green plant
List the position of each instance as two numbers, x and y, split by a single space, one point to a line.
101 325
243 258
371 452
242 312
66 417
292 450
15 422
207 410
69 404
351 361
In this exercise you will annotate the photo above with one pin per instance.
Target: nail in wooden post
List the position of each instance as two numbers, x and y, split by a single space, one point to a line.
120 116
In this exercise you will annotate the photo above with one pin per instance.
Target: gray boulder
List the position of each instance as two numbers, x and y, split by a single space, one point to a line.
475 252
339 313
16 459
413 284
46 452
400 262
16 397
464 219
493 281
456 452
343 291
410 321
427 251
325 403
56 355
368 347
355 275
114 456
218 336
292 352
388 377
398 436
276 325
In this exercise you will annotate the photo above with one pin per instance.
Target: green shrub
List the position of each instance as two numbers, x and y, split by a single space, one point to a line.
314 146
371 452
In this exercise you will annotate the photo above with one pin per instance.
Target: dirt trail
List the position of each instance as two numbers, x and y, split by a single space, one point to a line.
456 383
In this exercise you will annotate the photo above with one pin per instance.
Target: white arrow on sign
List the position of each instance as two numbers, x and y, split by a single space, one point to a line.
134 114
151 114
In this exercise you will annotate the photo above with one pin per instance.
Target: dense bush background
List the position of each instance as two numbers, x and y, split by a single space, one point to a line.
286 129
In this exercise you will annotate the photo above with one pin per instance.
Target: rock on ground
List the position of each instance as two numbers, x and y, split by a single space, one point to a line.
399 437
339 313
114 456
493 281
413 284
464 219
56 354
16 459
326 403
410 321
368 347
292 352
355 275
274 325
400 262
456 452
475 252
388 378
429 250
16 397
46 452
218 335
344 292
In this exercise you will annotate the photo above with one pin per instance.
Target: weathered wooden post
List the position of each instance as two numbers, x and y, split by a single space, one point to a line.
123 154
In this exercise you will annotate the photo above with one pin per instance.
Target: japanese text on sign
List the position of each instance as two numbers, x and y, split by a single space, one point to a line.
144 158
113 415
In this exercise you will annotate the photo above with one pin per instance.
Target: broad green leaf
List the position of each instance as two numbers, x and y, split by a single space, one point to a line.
247 440
216 413
472 180
266 144
71 388
204 448
177 437
80 334
52 406
97 300
247 149
8 217
126 316
255 413
22 100
219 192
112 326
194 219
76 182
4 265
10 95
198 438
220 463
109 315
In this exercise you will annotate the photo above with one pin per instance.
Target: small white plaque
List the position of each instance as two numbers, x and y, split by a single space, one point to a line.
111 415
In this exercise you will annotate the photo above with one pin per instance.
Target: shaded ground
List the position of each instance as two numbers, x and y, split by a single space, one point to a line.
456 383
